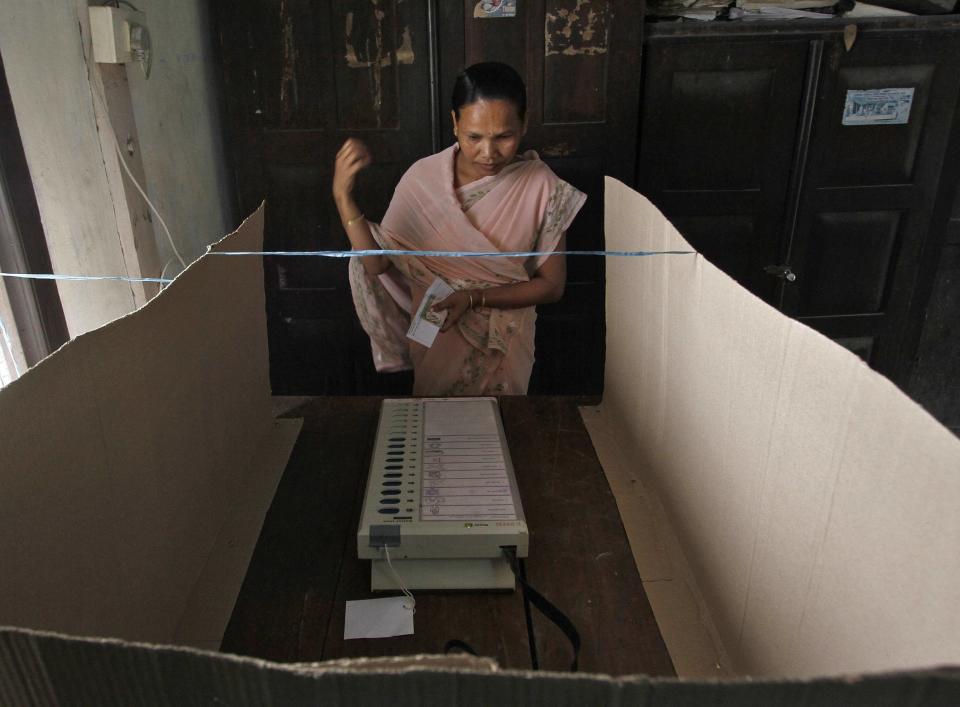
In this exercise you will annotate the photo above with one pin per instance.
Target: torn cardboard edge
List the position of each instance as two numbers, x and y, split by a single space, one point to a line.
814 502
48 669
139 459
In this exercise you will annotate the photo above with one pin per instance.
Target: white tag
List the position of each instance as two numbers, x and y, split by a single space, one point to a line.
378 618
426 323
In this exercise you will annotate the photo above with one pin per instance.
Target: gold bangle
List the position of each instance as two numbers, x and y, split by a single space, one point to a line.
349 222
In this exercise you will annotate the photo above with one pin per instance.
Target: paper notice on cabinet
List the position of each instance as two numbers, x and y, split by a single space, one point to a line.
486 9
426 322
878 106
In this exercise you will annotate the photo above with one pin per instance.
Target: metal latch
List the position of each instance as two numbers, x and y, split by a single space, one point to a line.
782 271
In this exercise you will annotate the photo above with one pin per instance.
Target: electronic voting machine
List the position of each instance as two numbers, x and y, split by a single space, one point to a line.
441 498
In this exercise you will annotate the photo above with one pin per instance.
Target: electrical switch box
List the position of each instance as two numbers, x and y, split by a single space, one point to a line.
119 36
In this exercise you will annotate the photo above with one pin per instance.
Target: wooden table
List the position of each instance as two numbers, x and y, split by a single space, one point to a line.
305 566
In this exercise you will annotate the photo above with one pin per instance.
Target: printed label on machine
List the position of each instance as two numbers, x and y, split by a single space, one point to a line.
464 472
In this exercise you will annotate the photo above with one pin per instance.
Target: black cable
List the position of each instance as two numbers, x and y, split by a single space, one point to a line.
456 643
546 607
117 3
531 637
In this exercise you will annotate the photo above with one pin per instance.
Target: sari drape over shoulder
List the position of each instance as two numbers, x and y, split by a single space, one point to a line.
525 207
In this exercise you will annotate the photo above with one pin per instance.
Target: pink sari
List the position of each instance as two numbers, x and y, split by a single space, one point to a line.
489 351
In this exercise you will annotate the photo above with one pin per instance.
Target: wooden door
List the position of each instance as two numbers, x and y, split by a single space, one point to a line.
869 191
717 143
580 60
301 76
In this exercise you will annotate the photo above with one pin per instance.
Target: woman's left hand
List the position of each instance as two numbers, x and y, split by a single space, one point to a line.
455 305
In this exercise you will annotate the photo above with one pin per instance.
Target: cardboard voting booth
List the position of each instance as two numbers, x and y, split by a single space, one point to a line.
138 461
784 503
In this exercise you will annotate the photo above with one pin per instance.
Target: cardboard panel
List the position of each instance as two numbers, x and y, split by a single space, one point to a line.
815 503
46 669
678 607
121 452
51 456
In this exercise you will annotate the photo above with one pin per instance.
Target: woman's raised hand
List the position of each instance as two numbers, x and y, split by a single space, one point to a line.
352 157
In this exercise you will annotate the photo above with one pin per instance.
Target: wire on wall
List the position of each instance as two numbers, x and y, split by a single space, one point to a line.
136 184
146 198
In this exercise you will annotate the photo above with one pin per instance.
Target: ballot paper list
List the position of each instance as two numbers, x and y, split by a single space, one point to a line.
464 470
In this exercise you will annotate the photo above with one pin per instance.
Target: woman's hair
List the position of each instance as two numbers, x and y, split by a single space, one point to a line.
490 80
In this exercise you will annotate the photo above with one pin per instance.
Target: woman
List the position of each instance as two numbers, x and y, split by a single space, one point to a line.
477 195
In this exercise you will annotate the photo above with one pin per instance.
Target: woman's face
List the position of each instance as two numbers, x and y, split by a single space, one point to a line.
489 133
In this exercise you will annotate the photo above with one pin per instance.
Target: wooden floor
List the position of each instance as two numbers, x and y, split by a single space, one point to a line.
305 566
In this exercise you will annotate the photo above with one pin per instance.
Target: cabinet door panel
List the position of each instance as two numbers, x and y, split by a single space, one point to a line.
848 262
576 61
710 113
716 144
879 153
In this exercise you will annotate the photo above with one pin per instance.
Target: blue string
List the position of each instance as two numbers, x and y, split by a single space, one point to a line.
360 254
454 253
84 278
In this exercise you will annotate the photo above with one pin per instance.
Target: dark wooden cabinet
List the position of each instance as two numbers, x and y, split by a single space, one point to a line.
743 145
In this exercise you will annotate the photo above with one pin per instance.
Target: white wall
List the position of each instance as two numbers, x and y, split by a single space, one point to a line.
43 58
43 53
179 126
